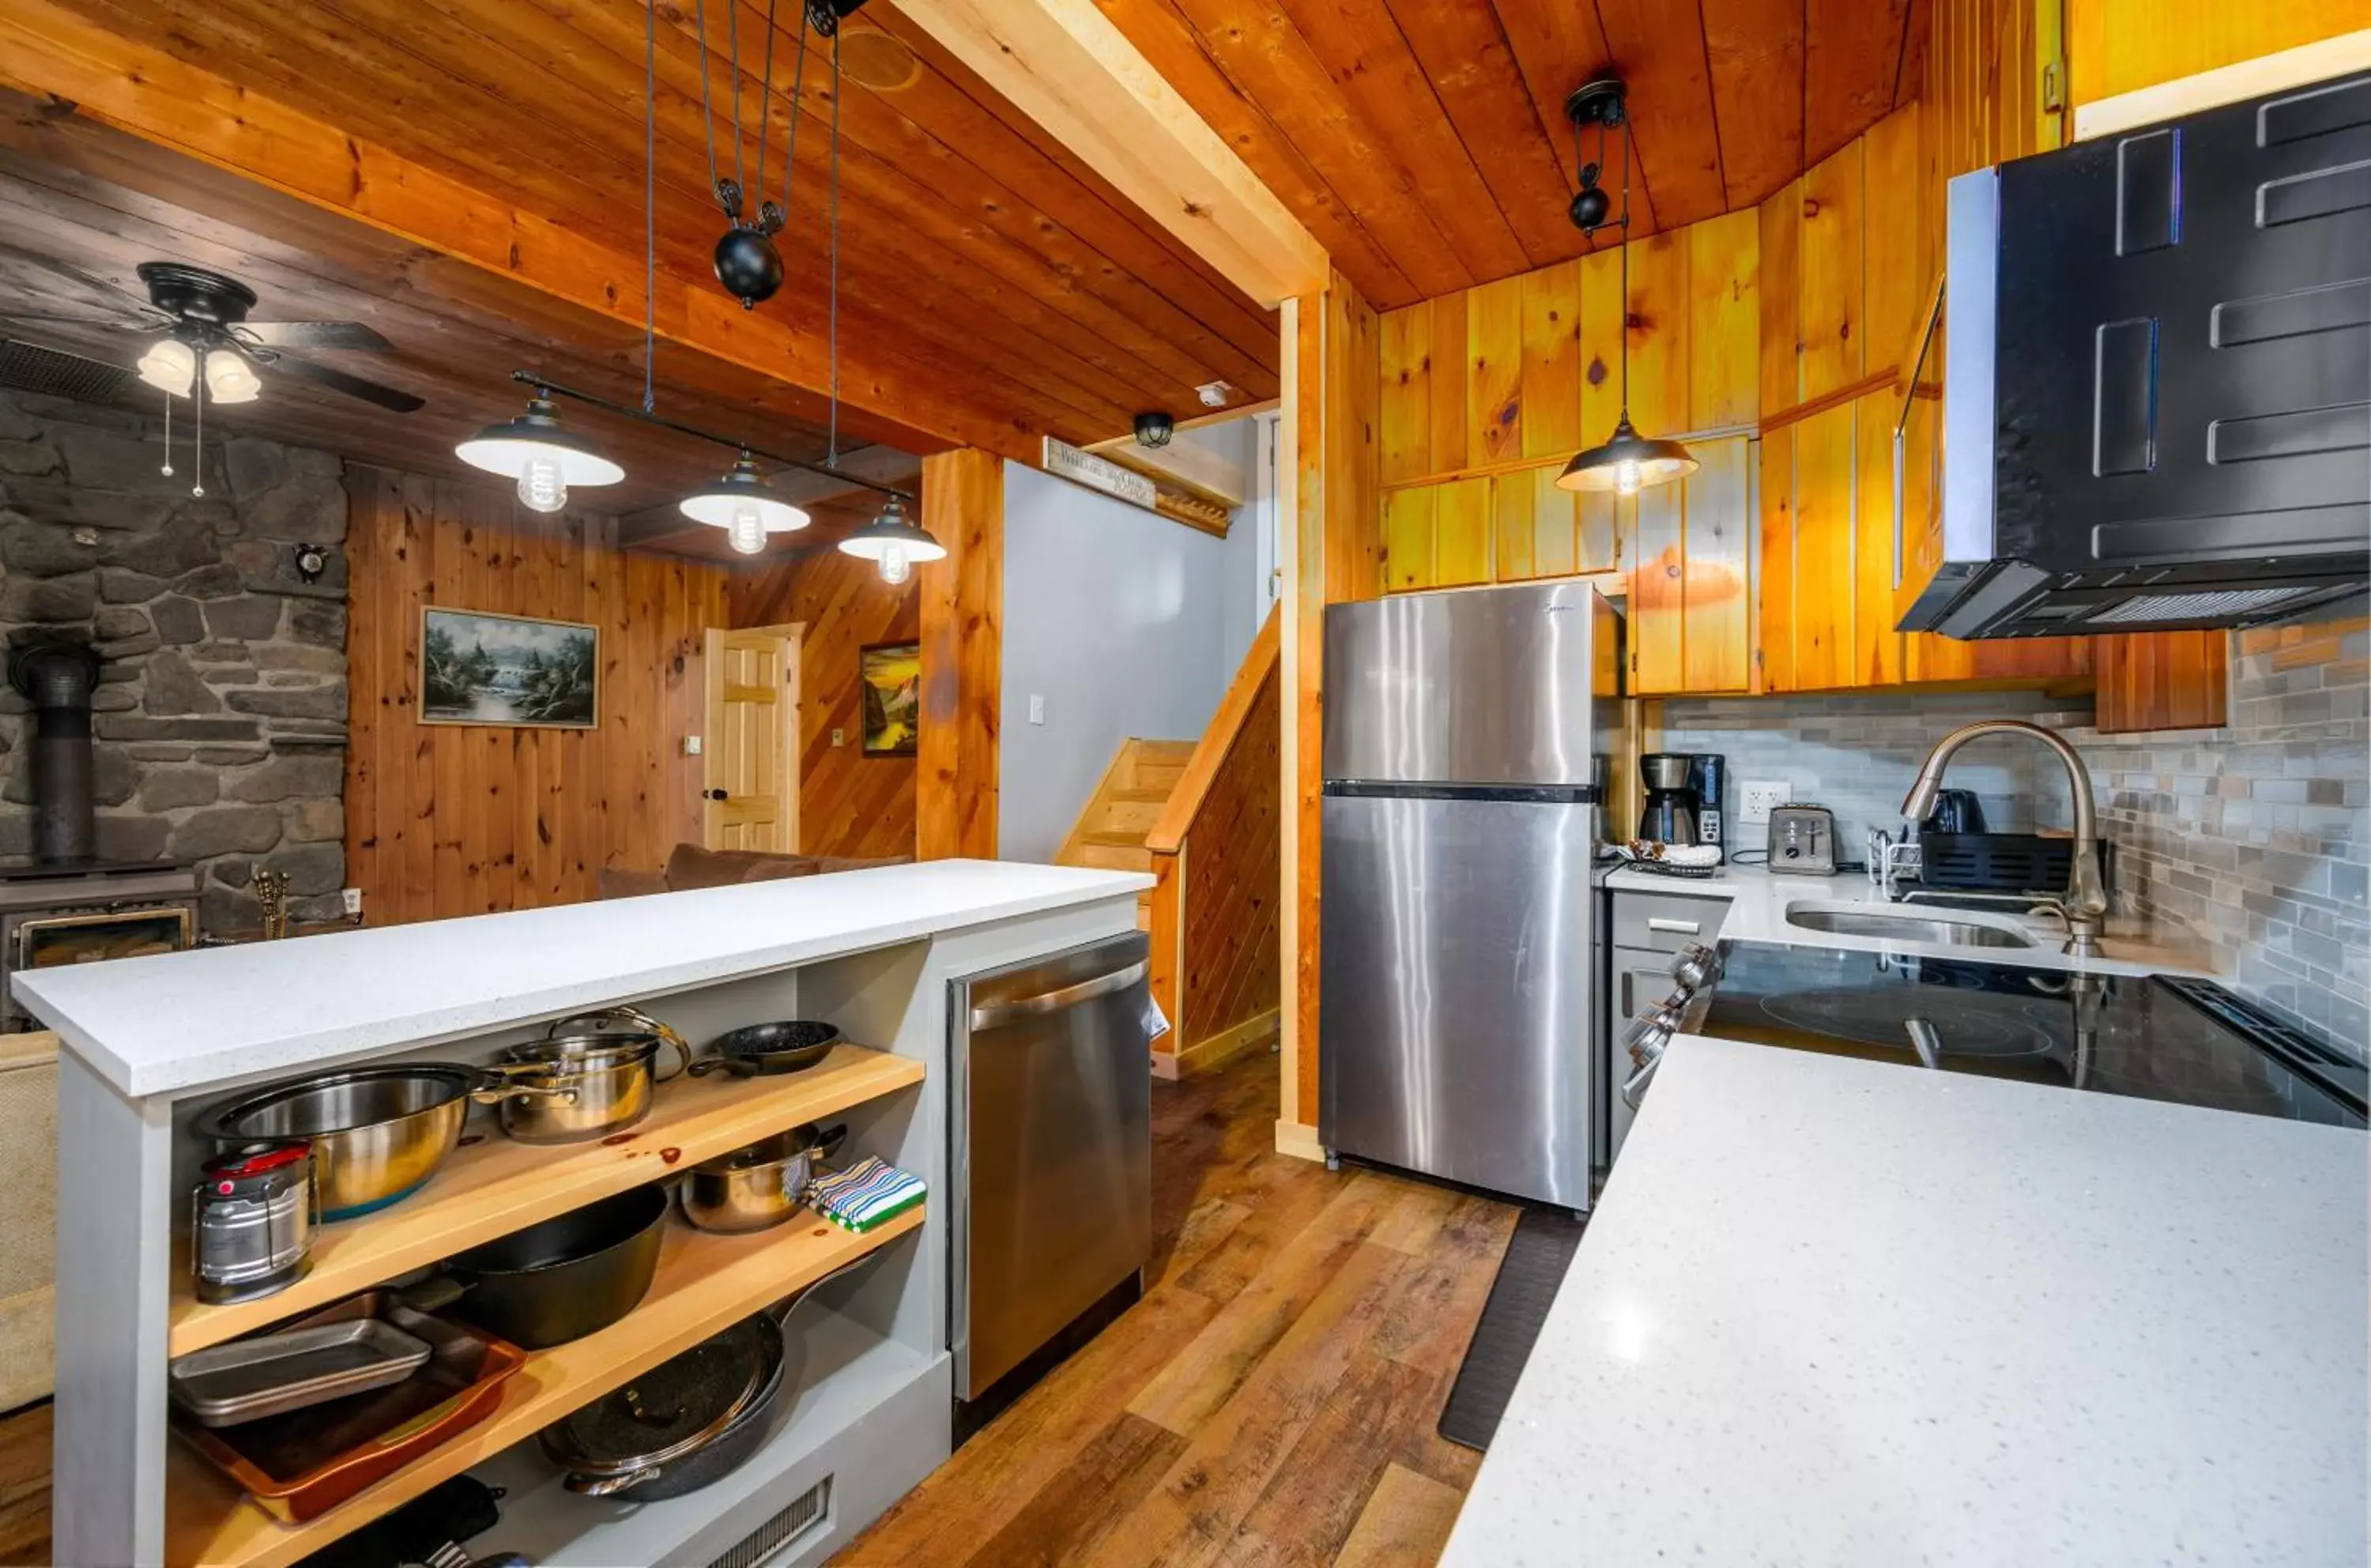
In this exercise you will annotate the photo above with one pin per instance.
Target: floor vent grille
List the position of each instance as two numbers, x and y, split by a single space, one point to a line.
27 367
763 1543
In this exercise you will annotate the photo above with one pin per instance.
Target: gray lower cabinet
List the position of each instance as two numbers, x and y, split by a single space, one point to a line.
1649 929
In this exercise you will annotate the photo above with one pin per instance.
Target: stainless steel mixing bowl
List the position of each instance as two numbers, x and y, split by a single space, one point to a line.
377 1132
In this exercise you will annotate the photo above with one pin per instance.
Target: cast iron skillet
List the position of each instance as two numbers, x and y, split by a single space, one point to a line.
768 1048
558 1280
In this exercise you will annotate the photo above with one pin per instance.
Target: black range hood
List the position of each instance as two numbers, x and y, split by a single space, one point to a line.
2156 395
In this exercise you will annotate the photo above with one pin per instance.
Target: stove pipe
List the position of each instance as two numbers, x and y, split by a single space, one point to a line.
58 679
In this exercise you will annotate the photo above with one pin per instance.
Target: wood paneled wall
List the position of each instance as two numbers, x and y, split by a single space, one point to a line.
849 803
2121 46
961 602
445 820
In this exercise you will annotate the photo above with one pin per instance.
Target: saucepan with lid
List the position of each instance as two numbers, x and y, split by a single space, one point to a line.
605 1063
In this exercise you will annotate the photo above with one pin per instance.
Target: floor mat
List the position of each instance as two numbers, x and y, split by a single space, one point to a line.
1535 1265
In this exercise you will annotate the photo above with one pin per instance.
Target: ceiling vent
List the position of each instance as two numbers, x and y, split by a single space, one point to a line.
25 367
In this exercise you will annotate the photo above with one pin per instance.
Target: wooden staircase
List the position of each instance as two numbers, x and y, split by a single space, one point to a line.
1109 834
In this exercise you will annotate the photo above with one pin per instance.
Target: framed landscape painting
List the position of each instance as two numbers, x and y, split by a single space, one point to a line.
481 668
891 676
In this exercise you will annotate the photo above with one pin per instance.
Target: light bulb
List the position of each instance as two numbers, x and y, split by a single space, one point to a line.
894 564
746 532
228 379
169 365
1625 477
540 485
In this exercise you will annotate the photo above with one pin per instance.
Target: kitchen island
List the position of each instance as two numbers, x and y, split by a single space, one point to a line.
1840 1312
149 1043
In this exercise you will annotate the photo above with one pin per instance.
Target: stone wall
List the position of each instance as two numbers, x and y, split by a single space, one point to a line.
221 713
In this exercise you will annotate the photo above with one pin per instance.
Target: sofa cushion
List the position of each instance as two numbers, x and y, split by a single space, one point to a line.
615 881
827 863
693 866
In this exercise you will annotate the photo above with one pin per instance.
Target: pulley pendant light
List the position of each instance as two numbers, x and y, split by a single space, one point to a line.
744 506
1626 462
892 542
545 458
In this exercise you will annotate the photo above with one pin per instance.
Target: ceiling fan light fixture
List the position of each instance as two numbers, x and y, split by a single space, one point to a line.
169 365
892 542
229 379
1627 463
744 506
508 448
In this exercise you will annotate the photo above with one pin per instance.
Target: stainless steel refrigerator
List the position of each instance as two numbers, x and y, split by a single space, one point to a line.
1468 736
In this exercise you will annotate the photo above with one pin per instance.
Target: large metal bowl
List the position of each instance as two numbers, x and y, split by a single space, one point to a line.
377 1132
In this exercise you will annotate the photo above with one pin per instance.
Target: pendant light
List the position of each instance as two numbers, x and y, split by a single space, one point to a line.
544 458
892 542
1626 462
744 506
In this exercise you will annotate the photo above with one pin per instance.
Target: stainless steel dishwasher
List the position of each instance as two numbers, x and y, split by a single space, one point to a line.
1051 1127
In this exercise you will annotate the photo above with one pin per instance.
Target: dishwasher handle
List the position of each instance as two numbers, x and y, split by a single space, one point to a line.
1001 1013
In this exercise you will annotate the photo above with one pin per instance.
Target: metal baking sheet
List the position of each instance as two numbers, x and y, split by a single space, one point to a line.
249 1379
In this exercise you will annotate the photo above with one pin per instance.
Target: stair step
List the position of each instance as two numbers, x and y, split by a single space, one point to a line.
1115 857
1113 838
1136 797
1129 817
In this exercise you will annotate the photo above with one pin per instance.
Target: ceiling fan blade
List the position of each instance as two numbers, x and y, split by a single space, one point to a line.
103 323
317 335
387 398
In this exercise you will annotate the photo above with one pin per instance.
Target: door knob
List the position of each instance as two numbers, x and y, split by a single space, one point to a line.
716 794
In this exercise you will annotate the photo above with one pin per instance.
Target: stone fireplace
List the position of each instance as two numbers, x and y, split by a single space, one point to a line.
219 716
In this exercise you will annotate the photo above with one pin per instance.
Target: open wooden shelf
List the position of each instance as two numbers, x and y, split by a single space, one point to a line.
494 1187
705 1282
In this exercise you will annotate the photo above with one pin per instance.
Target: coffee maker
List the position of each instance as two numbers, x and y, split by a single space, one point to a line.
1709 776
1671 813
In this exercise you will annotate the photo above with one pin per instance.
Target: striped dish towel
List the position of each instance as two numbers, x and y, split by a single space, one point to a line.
865 1194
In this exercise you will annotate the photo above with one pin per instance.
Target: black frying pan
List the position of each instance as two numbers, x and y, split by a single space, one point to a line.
558 1280
768 1048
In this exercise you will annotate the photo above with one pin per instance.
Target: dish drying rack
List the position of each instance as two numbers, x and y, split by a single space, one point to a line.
1892 861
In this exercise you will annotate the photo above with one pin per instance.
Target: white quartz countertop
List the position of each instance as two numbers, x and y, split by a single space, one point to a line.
1759 899
1836 1312
180 1021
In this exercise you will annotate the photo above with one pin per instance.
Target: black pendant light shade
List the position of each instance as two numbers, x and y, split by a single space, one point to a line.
1627 463
744 506
508 447
892 542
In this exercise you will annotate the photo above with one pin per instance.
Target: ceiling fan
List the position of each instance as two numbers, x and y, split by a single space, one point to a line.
200 321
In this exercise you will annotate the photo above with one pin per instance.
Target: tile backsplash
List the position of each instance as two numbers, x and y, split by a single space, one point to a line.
2254 838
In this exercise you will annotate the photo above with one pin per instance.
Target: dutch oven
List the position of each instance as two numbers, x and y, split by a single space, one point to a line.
558 1280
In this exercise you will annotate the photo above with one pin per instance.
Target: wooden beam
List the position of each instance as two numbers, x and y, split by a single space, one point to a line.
1329 549
1068 67
47 49
963 657
2244 79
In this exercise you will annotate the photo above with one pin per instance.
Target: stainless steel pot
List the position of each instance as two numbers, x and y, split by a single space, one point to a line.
598 1070
759 1186
377 1132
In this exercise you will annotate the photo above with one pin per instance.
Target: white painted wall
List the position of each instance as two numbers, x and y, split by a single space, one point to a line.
1121 623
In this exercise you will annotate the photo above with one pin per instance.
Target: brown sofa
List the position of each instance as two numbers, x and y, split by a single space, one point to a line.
693 866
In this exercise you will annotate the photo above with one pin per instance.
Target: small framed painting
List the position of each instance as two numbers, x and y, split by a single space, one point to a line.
481 668
890 674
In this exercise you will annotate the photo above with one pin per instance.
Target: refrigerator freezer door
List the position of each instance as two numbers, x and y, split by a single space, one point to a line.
1483 686
1456 989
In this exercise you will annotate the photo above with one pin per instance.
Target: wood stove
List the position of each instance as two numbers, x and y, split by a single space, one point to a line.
83 914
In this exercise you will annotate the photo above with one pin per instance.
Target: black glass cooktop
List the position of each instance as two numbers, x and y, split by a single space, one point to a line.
2157 1037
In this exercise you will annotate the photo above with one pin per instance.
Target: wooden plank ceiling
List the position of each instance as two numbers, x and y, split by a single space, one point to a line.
1423 141
82 205
972 244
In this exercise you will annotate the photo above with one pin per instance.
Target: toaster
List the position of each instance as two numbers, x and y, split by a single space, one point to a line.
1804 840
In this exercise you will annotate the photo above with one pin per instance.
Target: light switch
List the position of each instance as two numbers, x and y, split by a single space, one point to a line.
1037 709
840 737
691 746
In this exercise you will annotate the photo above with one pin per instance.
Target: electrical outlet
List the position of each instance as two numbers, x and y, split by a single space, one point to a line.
691 746
1755 796
840 737
353 897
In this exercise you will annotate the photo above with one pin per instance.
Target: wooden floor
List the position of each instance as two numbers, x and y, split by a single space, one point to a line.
1270 1400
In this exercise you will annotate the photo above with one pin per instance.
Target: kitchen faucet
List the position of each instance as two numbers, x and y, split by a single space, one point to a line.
2086 901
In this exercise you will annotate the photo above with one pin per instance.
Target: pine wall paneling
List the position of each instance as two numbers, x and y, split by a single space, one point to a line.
445 820
849 803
